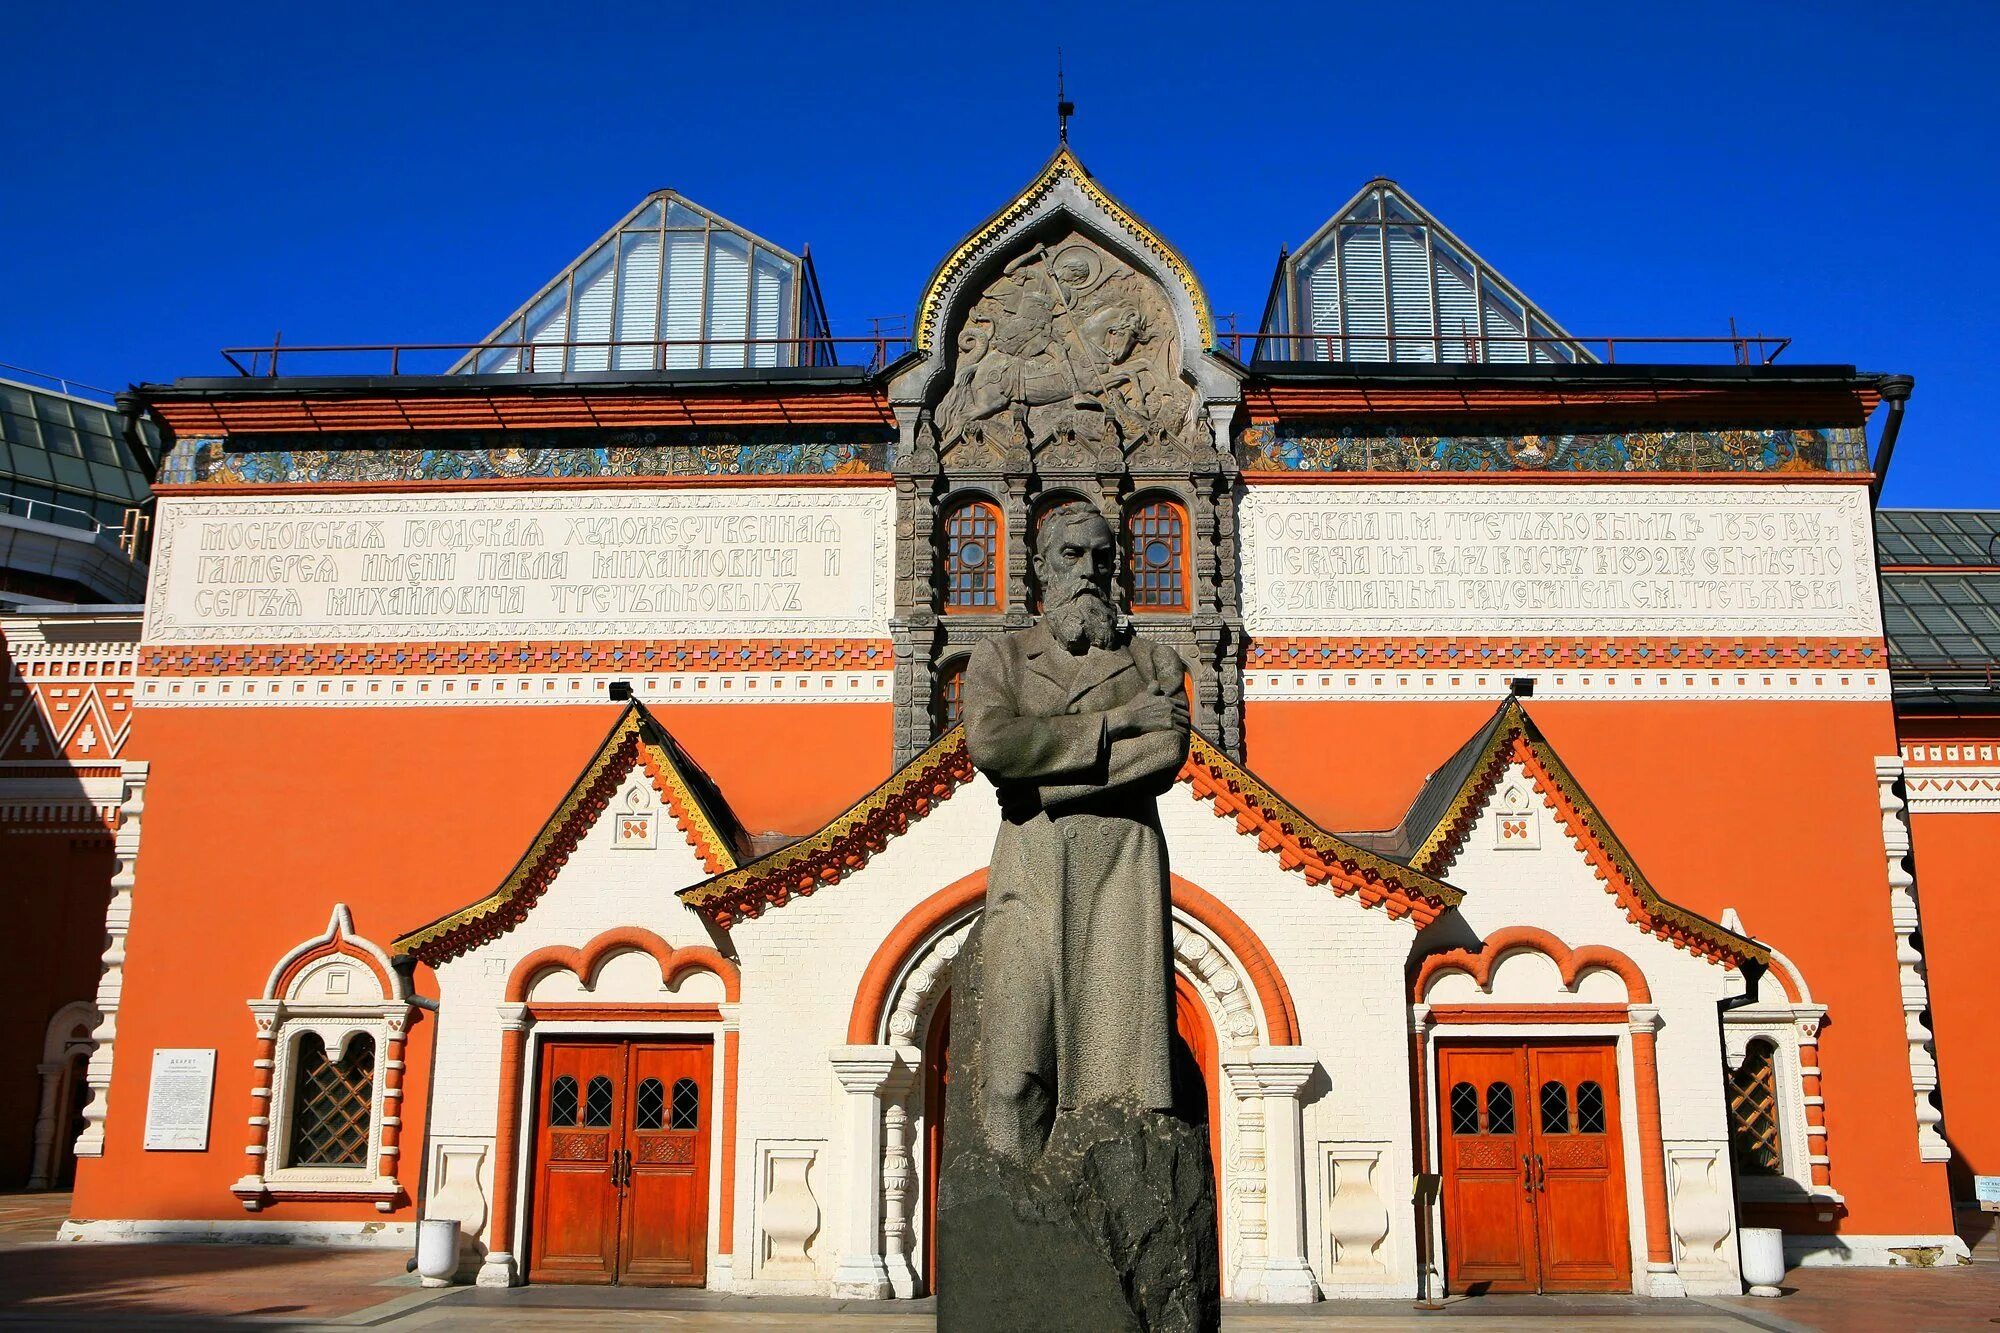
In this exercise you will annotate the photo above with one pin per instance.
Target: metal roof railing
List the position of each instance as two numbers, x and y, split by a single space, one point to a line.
42 511
1493 349
72 388
870 352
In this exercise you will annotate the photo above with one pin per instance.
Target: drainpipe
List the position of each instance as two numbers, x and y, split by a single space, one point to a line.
1895 391
131 411
1753 976
407 965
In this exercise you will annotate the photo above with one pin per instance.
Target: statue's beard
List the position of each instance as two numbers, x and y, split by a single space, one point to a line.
1080 616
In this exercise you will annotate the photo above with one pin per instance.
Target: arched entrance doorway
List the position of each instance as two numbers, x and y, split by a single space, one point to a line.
1197 1098
66 1052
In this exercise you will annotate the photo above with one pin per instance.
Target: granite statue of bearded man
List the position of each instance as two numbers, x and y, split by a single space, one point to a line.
1080 725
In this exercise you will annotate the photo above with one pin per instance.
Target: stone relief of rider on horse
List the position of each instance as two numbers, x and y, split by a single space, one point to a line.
1067 340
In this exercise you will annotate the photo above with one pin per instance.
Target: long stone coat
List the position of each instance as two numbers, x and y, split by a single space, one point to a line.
1076 945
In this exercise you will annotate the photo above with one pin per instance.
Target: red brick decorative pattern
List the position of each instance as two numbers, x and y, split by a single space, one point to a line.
516 657
1539 652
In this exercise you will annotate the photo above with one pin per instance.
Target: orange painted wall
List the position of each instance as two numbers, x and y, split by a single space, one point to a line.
1766 807
258 820
1957 859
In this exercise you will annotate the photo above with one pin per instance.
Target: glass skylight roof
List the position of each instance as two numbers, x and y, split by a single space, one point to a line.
61 459
671 287
1386 281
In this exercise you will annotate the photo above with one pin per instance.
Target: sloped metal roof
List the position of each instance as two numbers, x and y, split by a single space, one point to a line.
1940 537
63 450
1940 596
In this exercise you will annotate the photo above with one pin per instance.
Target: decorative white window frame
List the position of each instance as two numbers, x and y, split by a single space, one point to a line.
1792 1029
381 1009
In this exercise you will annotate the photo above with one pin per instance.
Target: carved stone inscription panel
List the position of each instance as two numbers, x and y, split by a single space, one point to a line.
778 561
1588 560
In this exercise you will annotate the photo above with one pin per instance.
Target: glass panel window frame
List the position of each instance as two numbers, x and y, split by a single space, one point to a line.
1157 587
950 702
974 586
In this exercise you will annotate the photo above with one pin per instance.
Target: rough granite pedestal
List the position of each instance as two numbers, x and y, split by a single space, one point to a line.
1112 1227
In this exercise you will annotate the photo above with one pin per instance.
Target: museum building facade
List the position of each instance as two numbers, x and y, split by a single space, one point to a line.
541 801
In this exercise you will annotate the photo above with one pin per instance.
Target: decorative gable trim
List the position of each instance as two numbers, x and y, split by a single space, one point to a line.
1064 166
846 845
339 938
1518 741
1304 846
636 740
842 847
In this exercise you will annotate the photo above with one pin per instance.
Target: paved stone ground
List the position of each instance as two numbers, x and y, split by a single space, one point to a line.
177 1288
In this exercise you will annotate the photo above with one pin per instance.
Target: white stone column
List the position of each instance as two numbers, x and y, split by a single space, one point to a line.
864 1072
111 974
1275 1076
45 1126
899 1175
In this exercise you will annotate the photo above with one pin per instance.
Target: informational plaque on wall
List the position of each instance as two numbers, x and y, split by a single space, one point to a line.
772 561
177 1105
1572 559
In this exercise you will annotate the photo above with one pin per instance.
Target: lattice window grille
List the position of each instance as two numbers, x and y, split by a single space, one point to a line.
1589 1108
687 1104
1499 1108
597 1103
1787 1031
306 1142
1464 1109
333 1094
1555 1108
563 1100
1756 1142
650 1103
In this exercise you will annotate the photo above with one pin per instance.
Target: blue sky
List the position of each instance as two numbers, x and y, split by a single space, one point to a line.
188 177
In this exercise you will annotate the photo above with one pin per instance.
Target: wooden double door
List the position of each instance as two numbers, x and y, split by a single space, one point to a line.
621 1163
1534 1182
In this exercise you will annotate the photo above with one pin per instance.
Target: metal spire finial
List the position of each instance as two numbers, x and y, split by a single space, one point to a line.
1064 107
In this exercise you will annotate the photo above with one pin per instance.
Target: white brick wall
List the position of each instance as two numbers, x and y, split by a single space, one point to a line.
1344 964
1553 886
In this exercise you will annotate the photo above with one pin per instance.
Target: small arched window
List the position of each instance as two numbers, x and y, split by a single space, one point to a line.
331 1102
1156 556
1753 1113
1499 1108
1589 1108
1464 1109
973 537
950 704
687 1104
597 1103
563 1102
1555 1108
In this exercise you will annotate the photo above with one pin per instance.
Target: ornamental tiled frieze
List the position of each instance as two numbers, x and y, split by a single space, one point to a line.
1320 447
756 451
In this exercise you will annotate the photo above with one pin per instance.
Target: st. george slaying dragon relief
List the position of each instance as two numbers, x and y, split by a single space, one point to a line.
1071 350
